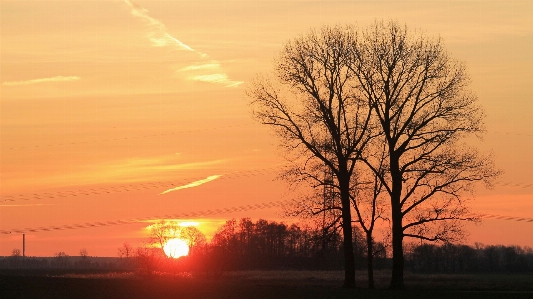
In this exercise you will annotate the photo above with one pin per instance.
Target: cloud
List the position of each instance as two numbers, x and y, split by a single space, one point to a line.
216 78
205 66
141 169
42 80
125 171
167 40
160 37
193 184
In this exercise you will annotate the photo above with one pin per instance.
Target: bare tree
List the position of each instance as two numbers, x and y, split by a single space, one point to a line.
194 237
311 106
125 251
421 99
61 259
370 204
165 230
320 210
16 252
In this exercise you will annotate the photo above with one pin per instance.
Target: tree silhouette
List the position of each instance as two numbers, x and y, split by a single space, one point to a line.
16 252
370 206
420 97
193 236
125 251
309 102
161 232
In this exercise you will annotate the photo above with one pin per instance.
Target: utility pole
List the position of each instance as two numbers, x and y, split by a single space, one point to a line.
23 245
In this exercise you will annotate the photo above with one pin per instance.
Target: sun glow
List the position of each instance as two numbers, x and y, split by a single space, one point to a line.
176 248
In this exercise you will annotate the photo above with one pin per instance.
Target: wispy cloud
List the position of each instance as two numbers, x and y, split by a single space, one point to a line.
141 169
205 66
216 78
42 80
160 37
125 171
216 75
193 184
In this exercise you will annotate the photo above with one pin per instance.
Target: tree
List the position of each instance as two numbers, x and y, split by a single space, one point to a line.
194 237
16 252
322 212
125 251
126 254
164 230
61 259
421 100
310 104
368 202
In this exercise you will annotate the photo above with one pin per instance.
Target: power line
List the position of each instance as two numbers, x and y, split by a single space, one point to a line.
512 133
514 185
166 184
219 211
244 208
204 213
127 188
503 217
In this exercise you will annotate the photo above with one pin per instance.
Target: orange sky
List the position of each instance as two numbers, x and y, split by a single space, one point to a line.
98 95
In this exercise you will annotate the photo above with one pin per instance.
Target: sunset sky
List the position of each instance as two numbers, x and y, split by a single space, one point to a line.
115 110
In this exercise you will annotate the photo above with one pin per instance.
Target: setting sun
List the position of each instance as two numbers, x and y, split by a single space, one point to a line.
176 248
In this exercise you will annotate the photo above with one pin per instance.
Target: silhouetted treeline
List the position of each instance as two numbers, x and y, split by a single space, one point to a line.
244 244
463 258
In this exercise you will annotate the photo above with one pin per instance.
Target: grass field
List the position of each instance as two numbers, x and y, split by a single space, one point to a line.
263 284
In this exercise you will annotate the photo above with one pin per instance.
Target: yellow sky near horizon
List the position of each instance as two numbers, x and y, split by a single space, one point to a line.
102 94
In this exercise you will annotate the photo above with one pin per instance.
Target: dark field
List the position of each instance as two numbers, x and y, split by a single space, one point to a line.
261 284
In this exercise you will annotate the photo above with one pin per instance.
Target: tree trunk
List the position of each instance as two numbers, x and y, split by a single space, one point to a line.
397 226
349 259
397 254
370 259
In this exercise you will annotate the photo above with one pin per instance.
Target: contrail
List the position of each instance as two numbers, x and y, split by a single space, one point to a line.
160 37
193 184
42 80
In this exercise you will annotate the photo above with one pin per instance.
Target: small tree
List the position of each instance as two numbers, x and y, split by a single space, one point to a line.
125 251
165 230
61 259
148 259
193 236
16 252
370 206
